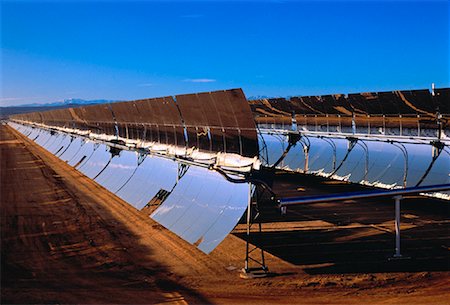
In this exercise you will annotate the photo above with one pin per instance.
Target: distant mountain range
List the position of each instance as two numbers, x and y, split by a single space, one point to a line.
67 102
5 112
257 97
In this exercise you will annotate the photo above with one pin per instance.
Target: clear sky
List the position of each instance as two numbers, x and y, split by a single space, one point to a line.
122 50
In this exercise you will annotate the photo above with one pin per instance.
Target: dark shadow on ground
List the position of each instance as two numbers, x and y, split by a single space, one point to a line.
355 236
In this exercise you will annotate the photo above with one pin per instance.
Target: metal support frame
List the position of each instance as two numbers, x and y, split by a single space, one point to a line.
400 124
181 170
418 125
263 151
353 124
141 157
397 195
366 151
260 268
439 125
333 147
351 144
293 138
306 144
405 156
397 226
280 137
361 195
397 254
340 124
437 148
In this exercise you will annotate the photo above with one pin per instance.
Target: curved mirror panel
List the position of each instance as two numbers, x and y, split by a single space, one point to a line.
295 159
386 164
51 141
272 147
118 171
320 156
439 172
82 154
203 208
96 162
70 151
56 144
152 175
43 137
63 145
34 133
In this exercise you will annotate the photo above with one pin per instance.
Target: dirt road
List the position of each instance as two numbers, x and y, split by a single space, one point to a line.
65 239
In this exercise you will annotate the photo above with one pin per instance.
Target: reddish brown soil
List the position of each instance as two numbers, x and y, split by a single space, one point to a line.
65 239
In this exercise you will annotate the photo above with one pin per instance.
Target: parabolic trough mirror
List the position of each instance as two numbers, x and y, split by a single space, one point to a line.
389 139
163 152
190 159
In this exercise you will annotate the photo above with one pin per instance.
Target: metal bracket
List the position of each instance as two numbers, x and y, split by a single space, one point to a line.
306 144
263 151
182 169
141 157
405 158
437 147
351 144
366 151
293 138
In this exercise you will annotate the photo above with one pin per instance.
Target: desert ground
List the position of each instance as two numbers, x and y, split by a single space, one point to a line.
65 239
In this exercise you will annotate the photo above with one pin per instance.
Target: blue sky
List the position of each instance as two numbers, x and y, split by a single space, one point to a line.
122 50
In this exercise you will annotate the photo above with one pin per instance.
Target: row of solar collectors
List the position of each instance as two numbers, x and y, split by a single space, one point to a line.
406 121
414 102
219 121
405 125
369 162
202 207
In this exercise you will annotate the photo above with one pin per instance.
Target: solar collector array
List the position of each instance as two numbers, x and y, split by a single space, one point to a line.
409 108
386 161
211 122
218 121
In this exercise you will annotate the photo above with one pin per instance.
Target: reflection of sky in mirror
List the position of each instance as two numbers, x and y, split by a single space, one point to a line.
386 162
203 206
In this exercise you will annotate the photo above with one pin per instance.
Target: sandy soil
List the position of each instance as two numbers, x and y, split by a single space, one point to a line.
65 239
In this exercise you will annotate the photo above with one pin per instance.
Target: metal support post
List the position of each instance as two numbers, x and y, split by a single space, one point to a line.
261 269
397 226
418 125
340 125
249 212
